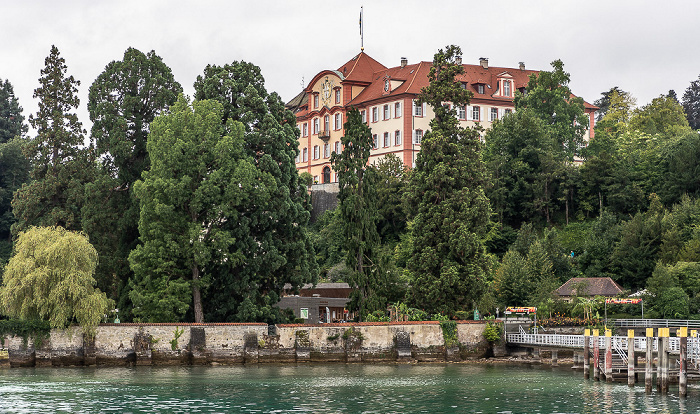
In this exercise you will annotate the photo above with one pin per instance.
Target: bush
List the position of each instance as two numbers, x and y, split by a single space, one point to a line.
449 332
492 332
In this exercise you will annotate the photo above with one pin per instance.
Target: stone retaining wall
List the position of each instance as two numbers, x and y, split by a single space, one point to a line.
163 344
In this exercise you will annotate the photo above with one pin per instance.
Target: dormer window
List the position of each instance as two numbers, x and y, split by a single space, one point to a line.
480 88
506 88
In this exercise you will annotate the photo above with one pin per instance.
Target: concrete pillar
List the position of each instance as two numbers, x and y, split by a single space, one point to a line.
631 361
536 354
586 354
608 356
555 363
596 356
683 373
649 365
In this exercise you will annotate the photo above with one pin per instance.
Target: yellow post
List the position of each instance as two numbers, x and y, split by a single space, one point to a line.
587 332
650 332
608 333
694 333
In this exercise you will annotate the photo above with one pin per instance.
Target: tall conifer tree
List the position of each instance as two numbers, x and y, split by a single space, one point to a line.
451 214
61 164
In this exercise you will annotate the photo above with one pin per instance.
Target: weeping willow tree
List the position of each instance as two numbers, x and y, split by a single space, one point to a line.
51 277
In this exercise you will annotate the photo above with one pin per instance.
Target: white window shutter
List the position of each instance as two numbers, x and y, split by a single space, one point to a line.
469 113
414 136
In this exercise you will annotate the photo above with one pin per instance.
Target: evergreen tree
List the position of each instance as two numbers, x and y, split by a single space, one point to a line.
358 211
11 119
61 165
191 219
14 167
691 104
451 214
274 241
124 100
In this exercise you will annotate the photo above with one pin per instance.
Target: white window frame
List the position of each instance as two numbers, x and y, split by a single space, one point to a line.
317 152
337 96
494 114
387 140
375 141
315 128
476 113
397 110
386 112
506 88
397 137
461 112
508 111
306 154
363 114
326 123
326 150
418 110
337 147
375 114
305 129
417 136
338 120
480 88
315 101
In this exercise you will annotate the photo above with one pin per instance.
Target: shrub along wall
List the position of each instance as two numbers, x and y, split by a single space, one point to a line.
160 344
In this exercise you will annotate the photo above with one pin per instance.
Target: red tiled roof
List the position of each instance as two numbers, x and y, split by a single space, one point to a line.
360 68
603 286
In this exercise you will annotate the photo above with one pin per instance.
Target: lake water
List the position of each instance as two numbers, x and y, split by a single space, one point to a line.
340 388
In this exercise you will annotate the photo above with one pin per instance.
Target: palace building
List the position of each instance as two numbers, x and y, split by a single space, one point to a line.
386 99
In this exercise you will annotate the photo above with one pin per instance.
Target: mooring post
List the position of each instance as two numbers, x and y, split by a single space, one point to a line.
554 358
649 364
608 356
586 354
683 373
630 358
662 371
596 356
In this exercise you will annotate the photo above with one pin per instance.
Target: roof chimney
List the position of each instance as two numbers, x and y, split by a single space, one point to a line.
458 60
404 62
484 62
522 65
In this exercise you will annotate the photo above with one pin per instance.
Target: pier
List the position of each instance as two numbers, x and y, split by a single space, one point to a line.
616 358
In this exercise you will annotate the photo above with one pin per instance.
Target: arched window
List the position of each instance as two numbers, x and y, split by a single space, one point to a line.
326 175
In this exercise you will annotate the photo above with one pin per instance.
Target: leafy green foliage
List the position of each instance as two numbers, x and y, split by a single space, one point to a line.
37 330
492 332
271 233
446 201
14 172
449 332
200 177
549 97
50 277
664 116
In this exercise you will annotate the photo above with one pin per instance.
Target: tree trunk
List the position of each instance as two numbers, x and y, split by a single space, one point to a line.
197 296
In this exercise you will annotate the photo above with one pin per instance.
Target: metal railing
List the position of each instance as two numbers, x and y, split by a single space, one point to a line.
657 323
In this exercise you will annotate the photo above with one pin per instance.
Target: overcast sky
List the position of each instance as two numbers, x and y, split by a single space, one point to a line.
644 47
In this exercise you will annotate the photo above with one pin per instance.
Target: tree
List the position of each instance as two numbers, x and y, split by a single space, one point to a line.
277 248
11 120
199 178
14 171
358 210
549 96
61 165
445 197
664 116
51 277
14 168
392 178
604 103
123 101
691 103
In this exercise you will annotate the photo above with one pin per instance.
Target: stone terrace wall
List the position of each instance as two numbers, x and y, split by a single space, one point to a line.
163 344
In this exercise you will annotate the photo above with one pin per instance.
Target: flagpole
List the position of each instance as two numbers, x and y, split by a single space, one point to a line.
362 39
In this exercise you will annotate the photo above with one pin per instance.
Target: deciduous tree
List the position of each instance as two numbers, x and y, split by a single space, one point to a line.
191 216
50 277
277 248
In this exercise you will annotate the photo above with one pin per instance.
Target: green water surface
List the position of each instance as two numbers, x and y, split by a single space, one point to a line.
340 388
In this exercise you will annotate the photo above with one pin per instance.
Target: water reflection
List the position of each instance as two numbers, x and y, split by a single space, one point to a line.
341 388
